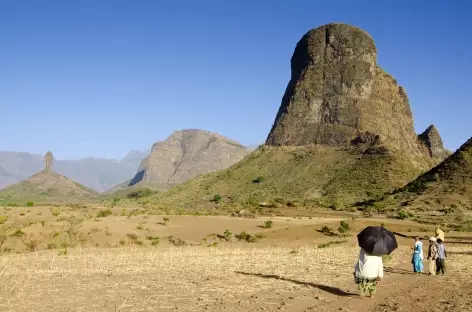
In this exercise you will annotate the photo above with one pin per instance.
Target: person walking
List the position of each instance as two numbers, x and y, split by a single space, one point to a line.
368 272
432 255
417 259
441 260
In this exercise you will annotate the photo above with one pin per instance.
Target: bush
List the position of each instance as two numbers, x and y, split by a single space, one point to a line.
329 244
30 204
402 214
268 224
104 213
12 205
177 241
140 193
258 180
18 233
165 221
243 236
217 198
326 230
3 219
344 227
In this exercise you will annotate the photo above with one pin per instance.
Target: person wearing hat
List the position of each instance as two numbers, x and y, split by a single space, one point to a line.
432 255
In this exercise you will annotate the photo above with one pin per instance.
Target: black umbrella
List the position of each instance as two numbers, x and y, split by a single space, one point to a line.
377 240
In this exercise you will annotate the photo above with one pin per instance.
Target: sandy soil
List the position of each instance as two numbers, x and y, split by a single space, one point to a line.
286 270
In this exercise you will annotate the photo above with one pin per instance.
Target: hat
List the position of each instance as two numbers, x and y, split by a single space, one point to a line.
433 239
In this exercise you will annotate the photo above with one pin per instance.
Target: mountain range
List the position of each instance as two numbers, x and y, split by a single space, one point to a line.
99 174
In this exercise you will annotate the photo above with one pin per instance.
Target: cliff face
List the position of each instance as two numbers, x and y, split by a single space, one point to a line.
186 154
337 94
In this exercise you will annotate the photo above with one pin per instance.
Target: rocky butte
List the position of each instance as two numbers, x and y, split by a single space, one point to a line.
186 154
338 96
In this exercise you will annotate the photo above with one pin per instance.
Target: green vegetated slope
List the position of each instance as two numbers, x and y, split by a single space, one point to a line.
447 185
47 187
312 176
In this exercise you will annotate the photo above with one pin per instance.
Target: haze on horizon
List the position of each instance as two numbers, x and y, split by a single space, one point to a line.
101 79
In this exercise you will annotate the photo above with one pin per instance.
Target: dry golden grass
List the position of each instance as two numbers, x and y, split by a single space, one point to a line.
190 278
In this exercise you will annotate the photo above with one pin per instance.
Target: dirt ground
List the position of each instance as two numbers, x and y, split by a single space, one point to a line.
288 269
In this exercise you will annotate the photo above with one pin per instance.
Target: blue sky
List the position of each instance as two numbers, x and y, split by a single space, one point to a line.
99 78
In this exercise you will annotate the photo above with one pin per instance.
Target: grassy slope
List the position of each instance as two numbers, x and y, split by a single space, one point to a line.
47 187
449 183
312 176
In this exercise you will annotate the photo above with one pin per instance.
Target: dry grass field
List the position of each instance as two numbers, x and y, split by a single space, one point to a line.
84 262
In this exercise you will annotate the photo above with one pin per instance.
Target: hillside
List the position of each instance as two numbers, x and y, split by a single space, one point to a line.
446 187
309 176
46 187
344 133
184 155
96 173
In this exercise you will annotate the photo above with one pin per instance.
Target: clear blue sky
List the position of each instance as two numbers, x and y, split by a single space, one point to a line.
99 78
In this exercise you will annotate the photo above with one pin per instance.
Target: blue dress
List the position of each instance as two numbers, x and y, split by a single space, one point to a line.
418 258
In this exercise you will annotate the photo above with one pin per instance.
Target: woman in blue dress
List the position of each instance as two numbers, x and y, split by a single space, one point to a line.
418 256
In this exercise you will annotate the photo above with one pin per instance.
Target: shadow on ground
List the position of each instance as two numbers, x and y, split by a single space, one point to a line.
328 289
398 271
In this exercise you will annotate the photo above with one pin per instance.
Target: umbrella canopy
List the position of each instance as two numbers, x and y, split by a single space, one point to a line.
377 240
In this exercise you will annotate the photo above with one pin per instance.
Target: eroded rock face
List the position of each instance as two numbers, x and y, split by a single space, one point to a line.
432 141
48 161
186 154
338 95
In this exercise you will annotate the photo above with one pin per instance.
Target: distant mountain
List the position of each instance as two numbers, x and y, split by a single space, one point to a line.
47 186
99 174
185 155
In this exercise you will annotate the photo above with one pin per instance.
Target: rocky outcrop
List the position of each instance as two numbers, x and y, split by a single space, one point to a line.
338 95
186 154
48 161
432 142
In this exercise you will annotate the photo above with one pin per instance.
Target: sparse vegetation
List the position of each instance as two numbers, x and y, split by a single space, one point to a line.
177 241
3 219
344 227
140 193
268 224
331 243
250 238
18 233
104 213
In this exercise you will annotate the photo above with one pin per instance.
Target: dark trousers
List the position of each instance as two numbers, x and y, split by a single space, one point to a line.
440 266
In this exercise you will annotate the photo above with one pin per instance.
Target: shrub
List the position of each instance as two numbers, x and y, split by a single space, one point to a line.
166 221
18 233
243 236
3 219
132 236
12 205
104 213
344 227
402 214
140 193
326 230
258 180
30 204
217 198
268 224
52 246
56 212
227 235
177 241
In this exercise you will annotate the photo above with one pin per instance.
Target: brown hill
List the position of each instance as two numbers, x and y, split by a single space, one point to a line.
46 186
344 133
184 155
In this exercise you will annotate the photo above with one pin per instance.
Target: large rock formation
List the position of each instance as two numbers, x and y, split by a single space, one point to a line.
186 154
433 143
337 94
48 161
